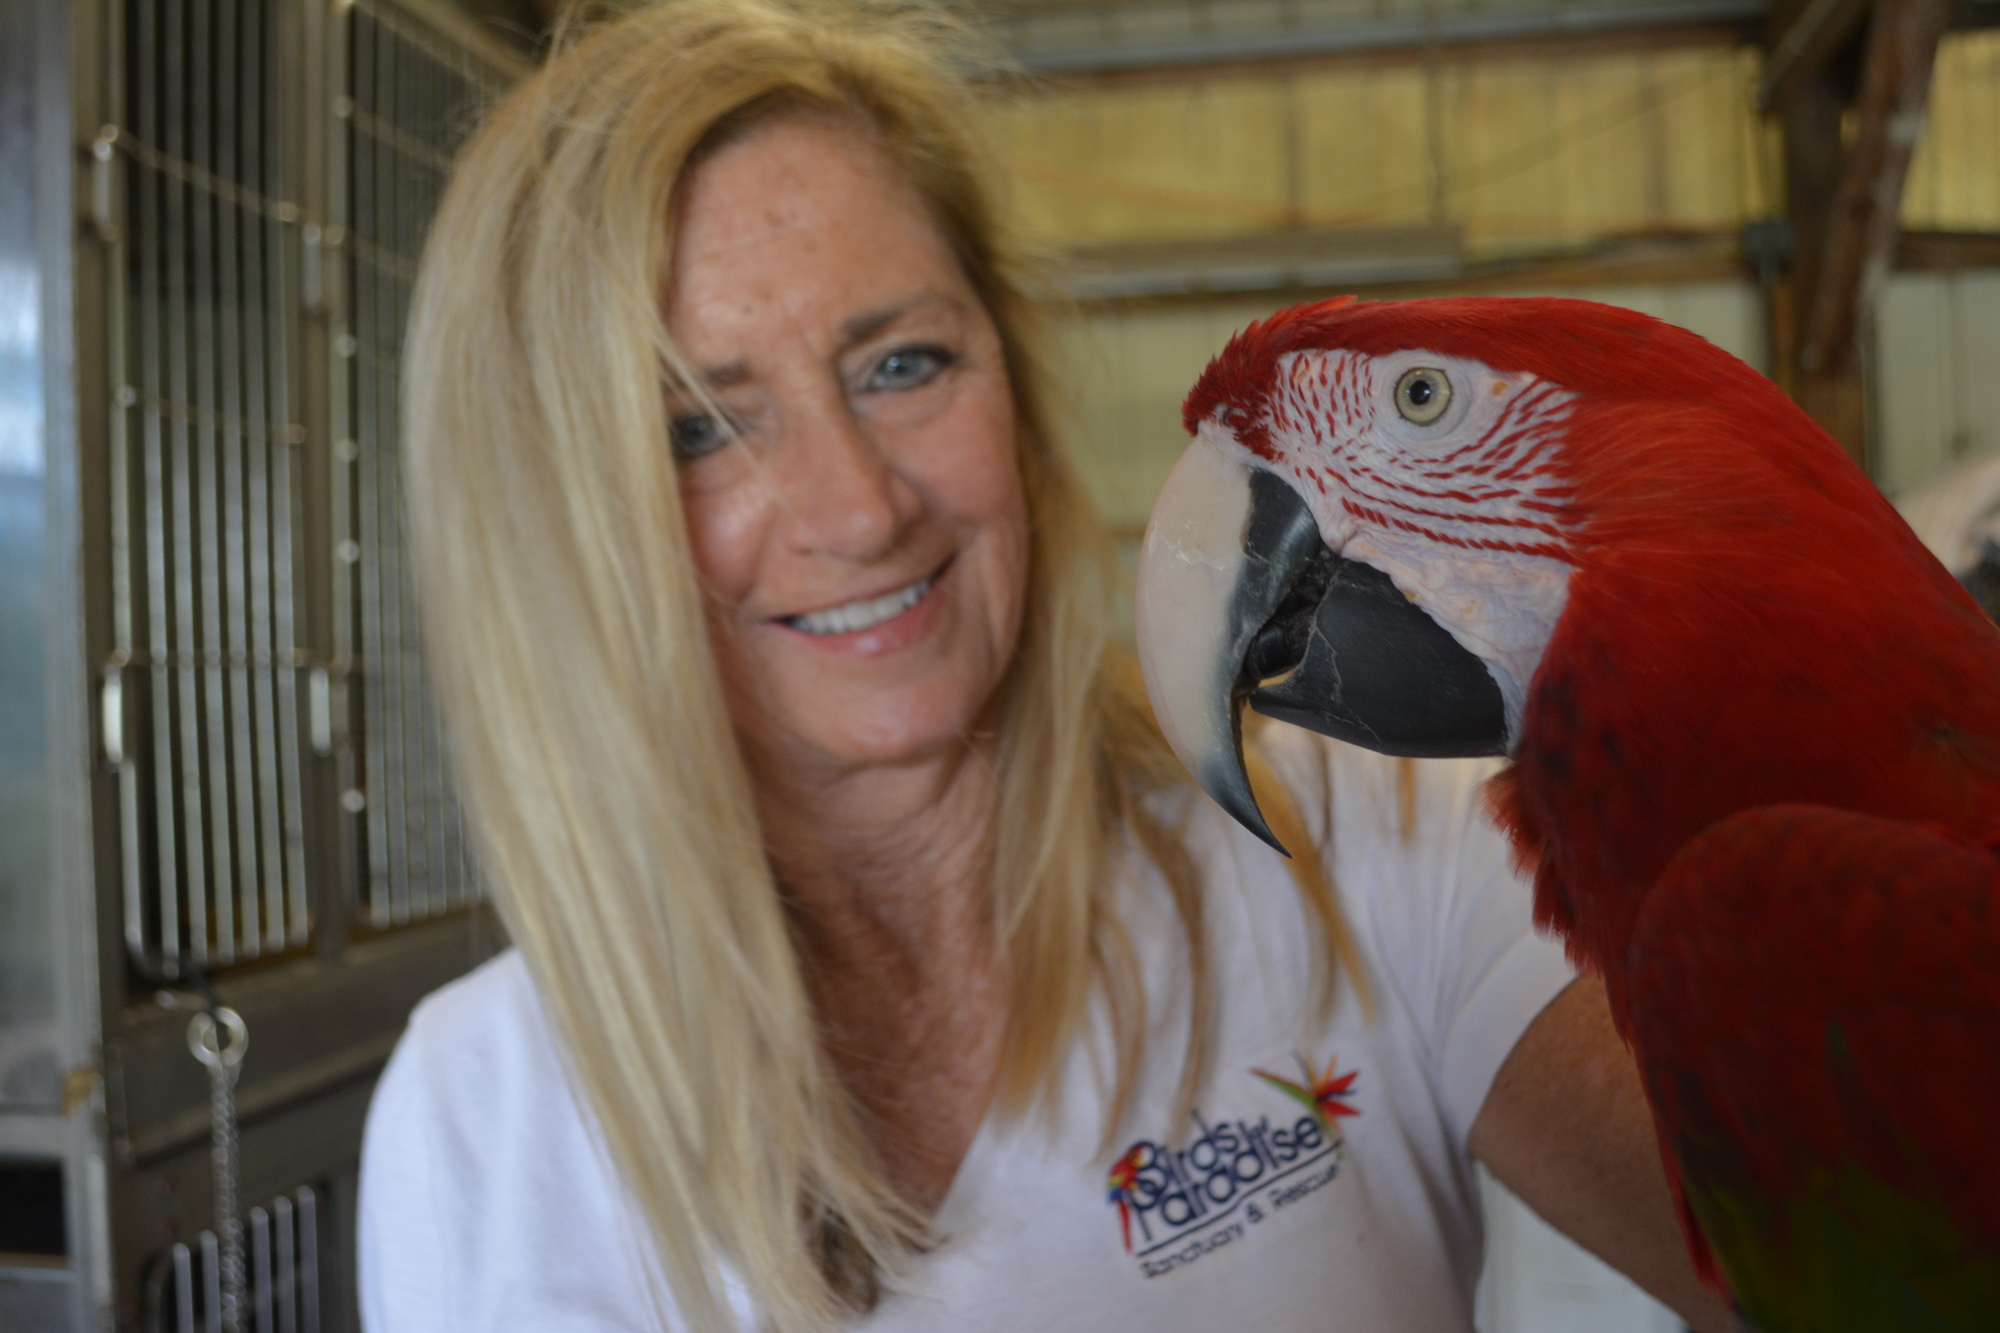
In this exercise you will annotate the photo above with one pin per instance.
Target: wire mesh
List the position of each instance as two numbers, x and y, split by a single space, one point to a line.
225 277
408 99
205 505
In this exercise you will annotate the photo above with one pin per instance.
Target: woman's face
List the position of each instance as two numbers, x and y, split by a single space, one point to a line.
858 524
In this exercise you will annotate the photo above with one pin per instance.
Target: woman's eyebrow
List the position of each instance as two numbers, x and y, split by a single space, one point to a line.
860 328
854 329
725 376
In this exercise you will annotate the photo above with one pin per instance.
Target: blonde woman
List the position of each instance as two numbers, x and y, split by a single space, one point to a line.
874 967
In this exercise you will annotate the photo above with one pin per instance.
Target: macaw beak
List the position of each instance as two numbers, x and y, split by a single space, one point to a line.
1238 600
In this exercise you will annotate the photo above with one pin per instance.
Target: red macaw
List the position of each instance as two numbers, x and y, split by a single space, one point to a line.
1754 730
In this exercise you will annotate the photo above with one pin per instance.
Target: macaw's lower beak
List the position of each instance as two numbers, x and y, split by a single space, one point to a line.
1239 600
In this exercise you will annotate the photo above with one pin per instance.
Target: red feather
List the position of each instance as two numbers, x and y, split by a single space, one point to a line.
1812 988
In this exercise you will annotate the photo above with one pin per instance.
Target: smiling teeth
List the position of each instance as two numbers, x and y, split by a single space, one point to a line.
856 616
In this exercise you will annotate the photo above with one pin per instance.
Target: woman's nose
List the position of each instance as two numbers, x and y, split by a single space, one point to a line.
843 495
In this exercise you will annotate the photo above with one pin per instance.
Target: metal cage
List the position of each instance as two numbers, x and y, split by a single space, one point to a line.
247 781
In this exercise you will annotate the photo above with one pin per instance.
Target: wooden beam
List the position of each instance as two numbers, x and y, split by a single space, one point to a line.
1948 250
1546 46
1693 257
1862 229
1715 256
1843 188
1811 119
1803 39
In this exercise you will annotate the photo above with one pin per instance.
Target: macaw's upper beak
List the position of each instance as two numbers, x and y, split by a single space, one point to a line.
1236 588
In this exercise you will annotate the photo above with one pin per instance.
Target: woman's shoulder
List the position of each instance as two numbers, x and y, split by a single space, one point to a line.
487 1200
1441 916
476 1054
490 1011
496 992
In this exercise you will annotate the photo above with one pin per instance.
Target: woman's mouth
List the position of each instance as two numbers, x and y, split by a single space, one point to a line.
865 613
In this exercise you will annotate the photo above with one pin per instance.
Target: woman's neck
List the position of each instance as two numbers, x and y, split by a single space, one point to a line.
882 857
885 871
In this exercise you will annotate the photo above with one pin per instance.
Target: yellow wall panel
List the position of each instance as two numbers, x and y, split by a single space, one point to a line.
1954 179
1184 160
1365 145
1524 153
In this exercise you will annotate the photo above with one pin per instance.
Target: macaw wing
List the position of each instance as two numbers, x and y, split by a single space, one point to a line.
1815 1007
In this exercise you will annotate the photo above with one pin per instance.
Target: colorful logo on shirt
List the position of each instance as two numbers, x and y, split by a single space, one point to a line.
1177 1203
1320 1092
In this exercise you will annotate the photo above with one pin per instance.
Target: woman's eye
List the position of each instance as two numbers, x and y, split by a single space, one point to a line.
693 434
908 367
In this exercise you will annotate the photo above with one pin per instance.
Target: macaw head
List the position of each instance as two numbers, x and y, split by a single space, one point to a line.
1375 530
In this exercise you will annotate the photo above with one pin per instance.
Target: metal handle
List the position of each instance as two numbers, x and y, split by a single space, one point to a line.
312 269
103 151
111 716
319 710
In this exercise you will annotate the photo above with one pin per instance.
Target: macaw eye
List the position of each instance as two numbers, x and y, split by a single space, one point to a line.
1422 395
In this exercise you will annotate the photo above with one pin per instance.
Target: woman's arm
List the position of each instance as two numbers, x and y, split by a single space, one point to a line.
1566 1127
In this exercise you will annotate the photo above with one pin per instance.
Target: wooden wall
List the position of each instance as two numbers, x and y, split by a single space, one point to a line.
1526 149
1523 151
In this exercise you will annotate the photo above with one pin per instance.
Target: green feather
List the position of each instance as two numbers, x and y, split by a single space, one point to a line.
1849 1255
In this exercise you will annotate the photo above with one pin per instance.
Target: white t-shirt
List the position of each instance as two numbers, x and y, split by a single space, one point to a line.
487 1202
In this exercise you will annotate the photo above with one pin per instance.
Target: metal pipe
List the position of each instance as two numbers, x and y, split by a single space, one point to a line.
367 227
420 124
382 336
173 141
211 612
211 1283
166 937
308 1259
288 890
346 448
261 432
242 438
260 1269
183 1263
286 1293
124 400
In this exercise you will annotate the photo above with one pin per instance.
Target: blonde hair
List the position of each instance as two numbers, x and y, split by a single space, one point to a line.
612 807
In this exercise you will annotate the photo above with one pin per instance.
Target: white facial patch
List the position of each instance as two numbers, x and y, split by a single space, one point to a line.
1467 513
